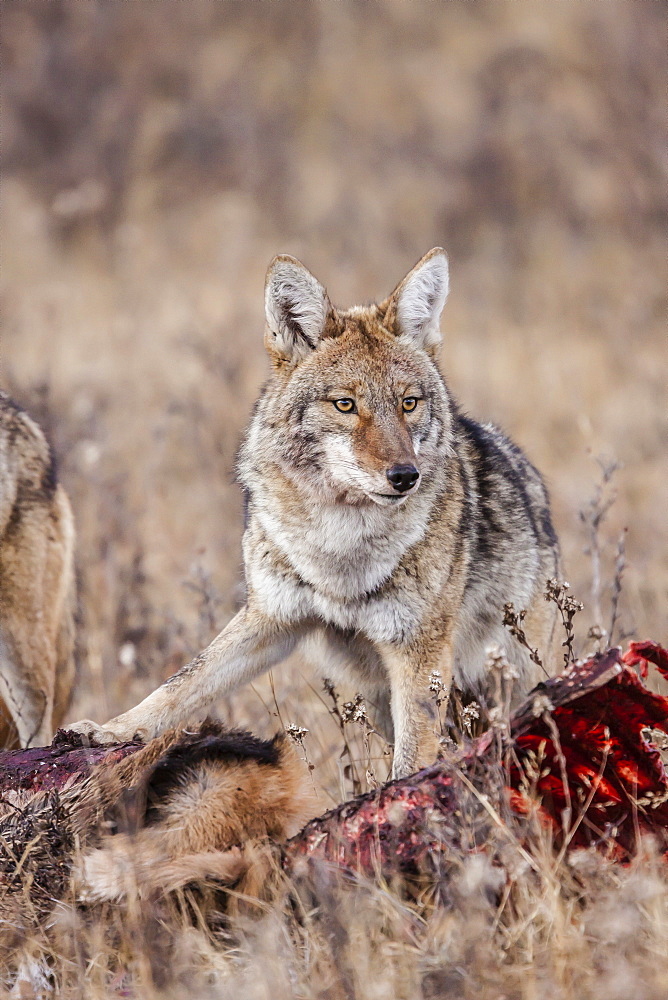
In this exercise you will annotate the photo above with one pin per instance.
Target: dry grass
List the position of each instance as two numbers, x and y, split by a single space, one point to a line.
156 156
516 920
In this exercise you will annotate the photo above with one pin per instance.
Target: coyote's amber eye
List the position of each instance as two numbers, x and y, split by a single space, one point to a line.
345 405
409 404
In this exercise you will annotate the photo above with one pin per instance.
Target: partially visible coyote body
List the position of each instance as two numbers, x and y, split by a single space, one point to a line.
385 531
36 584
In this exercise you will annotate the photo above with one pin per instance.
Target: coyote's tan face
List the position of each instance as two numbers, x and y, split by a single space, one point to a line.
357 404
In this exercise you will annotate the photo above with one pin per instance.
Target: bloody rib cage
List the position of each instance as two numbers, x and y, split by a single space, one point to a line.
602 779
580 753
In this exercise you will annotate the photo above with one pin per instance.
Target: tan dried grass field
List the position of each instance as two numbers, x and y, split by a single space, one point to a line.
157 155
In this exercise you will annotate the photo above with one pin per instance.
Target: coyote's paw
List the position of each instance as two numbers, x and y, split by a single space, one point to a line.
111 732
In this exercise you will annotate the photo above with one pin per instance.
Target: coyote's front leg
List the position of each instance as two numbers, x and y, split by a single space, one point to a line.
414 711
246 648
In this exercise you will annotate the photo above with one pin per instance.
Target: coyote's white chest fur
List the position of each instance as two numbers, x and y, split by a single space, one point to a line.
345 552
340 557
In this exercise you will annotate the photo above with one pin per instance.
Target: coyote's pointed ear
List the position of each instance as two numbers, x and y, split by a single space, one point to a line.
414 307
296 307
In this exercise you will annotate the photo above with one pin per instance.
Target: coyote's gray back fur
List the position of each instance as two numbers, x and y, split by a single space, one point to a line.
385 529
36 584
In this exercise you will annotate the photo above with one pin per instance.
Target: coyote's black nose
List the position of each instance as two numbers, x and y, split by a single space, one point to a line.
402 477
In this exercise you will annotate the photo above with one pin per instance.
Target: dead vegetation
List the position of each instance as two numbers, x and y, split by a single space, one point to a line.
145 188
182 844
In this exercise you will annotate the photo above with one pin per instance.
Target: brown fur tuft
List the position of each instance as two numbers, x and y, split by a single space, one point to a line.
195 808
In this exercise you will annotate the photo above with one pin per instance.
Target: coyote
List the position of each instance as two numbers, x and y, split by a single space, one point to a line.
37 590
385 529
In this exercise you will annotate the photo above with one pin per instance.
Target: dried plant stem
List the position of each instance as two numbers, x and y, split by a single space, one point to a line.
568 608
620 566
335 710
593 517
513 622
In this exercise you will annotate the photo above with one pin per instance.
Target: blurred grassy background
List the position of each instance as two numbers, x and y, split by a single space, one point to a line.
157 154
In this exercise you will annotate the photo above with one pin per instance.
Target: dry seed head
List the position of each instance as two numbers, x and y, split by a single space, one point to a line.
496 661
469 714
354 711
512 617
497 719
541 703
296 733
495 658
435 682
554 590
